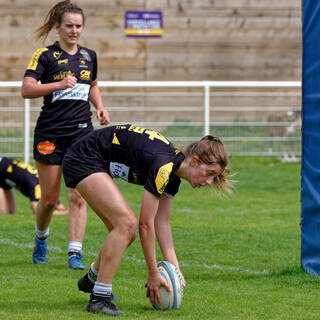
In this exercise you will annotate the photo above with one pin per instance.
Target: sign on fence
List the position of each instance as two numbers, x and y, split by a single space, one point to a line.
143 24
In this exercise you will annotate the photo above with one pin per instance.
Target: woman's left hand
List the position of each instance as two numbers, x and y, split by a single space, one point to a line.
182 277
103 116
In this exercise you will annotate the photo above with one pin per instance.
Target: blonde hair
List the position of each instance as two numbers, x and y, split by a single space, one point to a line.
55 16
210 150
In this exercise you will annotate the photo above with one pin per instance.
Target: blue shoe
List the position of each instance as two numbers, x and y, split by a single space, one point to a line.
74 261
40 250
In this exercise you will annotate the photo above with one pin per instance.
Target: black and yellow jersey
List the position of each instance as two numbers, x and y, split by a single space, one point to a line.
137 155
65 112
20 175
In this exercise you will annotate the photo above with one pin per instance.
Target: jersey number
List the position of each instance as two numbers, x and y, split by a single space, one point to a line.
152 134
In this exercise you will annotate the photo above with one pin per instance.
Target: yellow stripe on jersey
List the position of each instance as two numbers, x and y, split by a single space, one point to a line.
35 59
162 177
37 192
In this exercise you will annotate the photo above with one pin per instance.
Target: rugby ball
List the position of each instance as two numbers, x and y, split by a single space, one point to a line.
173 299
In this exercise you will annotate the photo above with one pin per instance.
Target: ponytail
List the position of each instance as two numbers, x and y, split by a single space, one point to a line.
55 16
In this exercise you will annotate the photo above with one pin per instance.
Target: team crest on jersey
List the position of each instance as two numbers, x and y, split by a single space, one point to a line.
85 55
162 177
46 147
57 54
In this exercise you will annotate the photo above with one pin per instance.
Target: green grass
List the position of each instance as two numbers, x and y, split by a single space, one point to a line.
240 255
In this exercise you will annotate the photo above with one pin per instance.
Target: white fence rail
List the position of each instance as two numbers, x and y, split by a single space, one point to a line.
252 118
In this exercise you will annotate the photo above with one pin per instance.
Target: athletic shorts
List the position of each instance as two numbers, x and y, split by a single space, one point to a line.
75 170
51 151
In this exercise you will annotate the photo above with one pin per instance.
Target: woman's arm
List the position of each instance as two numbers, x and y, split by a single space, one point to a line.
31 88
147 237
164 234
163 230
7 201
96 99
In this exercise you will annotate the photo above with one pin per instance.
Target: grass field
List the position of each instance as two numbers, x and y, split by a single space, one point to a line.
239 255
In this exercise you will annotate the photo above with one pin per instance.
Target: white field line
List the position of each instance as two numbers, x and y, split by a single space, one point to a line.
142 261
186 210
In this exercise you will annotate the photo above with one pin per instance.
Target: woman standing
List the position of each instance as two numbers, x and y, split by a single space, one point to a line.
65 74
144 157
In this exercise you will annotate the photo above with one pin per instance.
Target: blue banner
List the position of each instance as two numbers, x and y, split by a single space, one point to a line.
310 172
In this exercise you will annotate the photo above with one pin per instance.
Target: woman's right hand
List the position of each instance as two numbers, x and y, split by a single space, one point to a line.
153 286
68 82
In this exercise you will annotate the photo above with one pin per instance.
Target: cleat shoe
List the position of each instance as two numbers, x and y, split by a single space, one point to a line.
74 261
40 250
85 285
101 304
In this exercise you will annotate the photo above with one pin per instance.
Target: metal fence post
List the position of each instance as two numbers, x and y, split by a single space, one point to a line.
26 130
206 109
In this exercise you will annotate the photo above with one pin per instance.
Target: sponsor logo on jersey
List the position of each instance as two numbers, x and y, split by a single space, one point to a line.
64 61
46 147
57 54
35 59
79 92
83 64
62 75
85 55
85 75
162 177
119 170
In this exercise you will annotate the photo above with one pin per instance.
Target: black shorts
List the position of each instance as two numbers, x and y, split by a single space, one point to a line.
51 151
74 171
84 159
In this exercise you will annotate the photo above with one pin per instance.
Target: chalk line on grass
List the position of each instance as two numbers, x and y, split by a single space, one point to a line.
142 261
186 210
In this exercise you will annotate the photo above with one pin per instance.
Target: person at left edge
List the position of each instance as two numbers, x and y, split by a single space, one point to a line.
23 177
65 74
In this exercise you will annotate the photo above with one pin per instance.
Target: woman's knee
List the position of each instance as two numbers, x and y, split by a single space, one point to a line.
75 199
131 228
49 201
